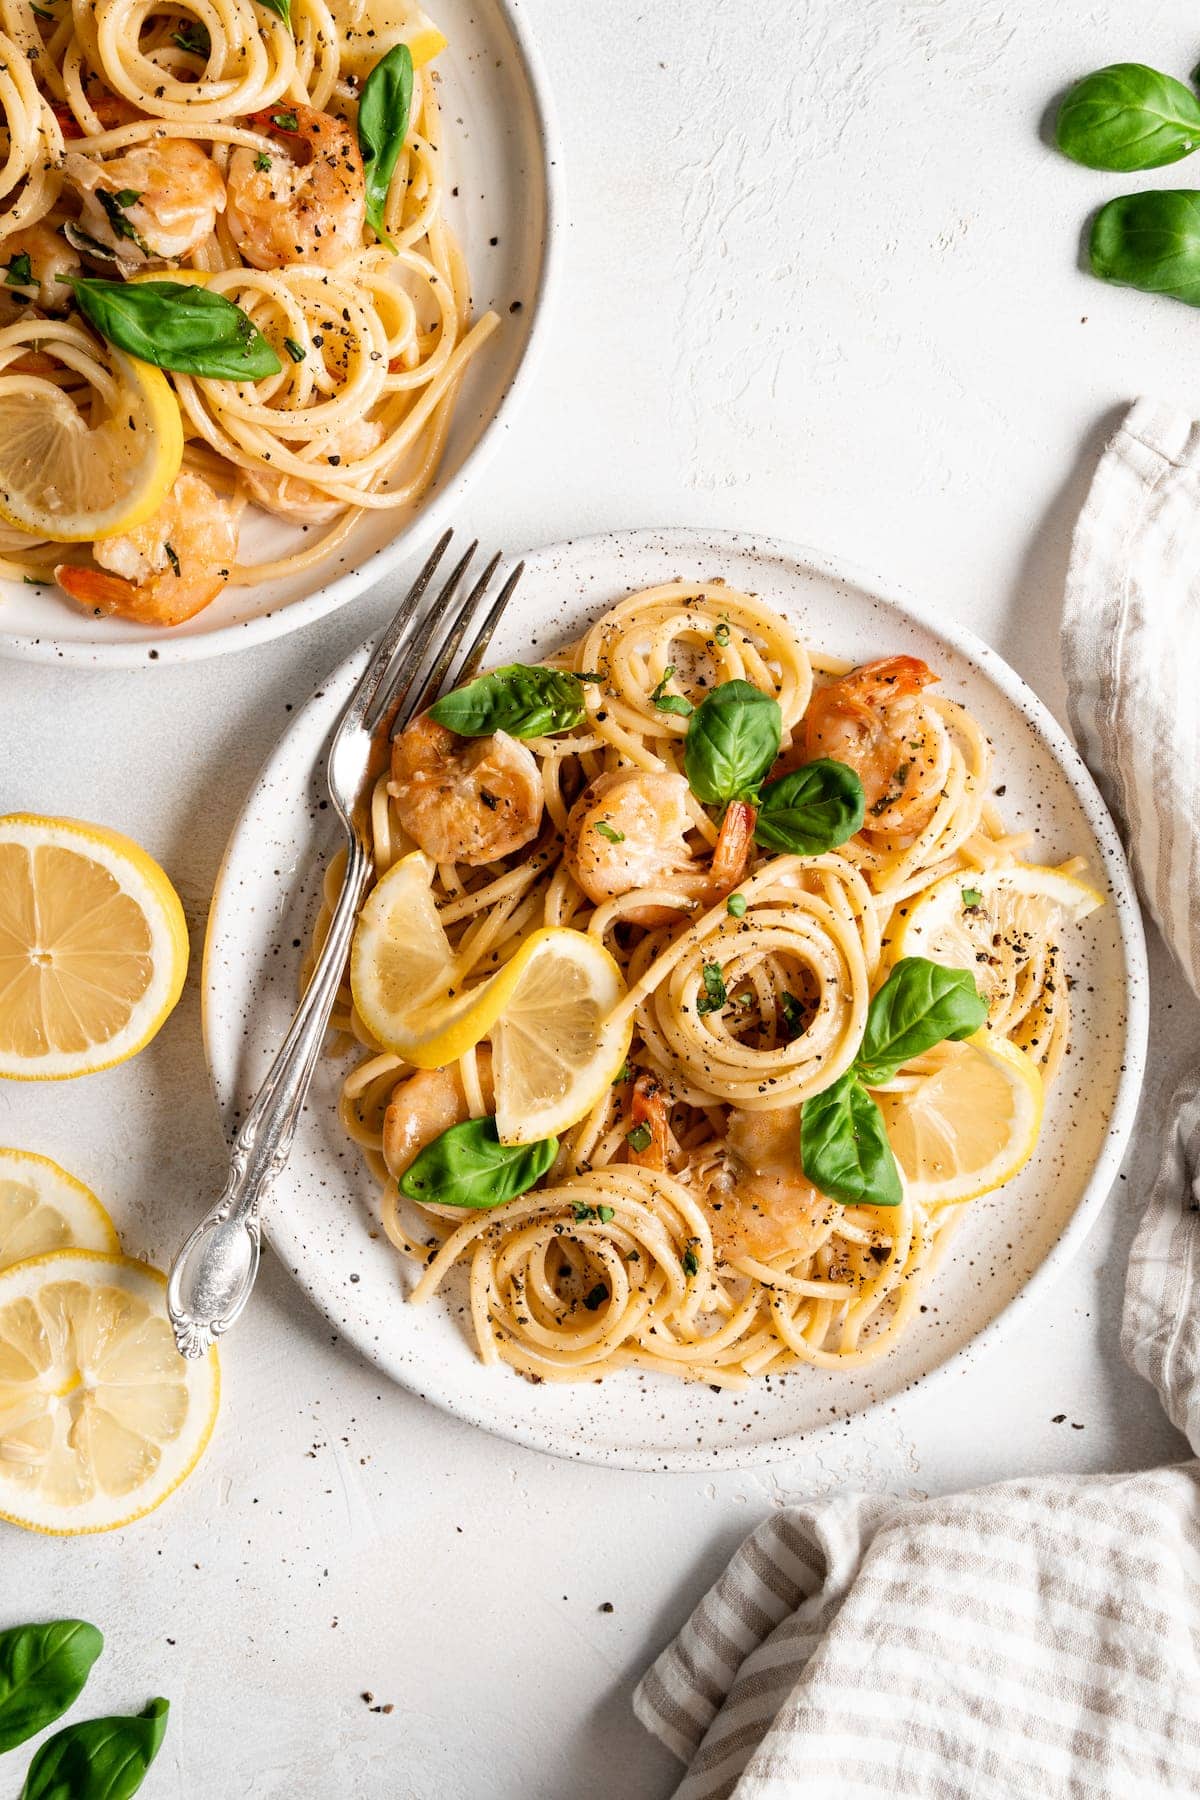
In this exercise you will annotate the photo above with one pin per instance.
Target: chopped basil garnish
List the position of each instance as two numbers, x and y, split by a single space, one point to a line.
671 703
609 831
714 996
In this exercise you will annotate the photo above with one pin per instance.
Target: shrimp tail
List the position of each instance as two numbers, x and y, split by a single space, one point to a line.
648 1113
732 850
888 677
94 588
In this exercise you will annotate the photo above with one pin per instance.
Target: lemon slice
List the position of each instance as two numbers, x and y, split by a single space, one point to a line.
72 480
968 1127
546 1011
992 921
400 958
43 1208
93 947
100 1416
555 1047
373 27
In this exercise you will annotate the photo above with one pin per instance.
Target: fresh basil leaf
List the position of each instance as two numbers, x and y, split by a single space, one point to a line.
384 108
733 737
640 1138
812 810
525 700
1128 117
1150 241
42 1672
177 326
102 1759
282 10
469 1166
20 271
844 1146
921 1004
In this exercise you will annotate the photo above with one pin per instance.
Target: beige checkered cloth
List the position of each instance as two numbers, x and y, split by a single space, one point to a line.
1040 1639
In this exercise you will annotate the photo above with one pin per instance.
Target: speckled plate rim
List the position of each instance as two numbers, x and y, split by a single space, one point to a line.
291 615
532 1432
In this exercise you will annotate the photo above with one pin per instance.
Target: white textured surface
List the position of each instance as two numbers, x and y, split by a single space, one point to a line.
821 280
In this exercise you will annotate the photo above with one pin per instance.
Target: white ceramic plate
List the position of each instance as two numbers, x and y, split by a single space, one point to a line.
1007 1250
503 164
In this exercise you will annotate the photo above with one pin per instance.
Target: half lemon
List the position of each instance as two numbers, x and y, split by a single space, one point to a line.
73 479
43 1208
100 1416
93 947
970 1125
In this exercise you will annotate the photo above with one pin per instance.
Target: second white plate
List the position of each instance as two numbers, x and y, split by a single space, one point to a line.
503 164
323 1220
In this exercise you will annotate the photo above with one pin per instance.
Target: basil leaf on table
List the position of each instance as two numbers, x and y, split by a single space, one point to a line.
844 1146
102 1759
42 1672
469 1166
525 700
178 326
1128 117
733 737
921 1004
812 810
384 108
1150 241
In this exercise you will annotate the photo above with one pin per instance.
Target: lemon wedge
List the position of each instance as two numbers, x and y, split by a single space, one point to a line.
373 27
992 920
71 479
100 1416
93 947
968 1127
546 1011
43 1208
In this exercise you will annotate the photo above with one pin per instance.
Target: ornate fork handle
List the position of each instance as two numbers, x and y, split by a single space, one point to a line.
214 1273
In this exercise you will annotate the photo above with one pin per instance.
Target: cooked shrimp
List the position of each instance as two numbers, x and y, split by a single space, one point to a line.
49 256
874 720
424 1105
168 568
157 200
294 498
760 1200
468 800
309 203
629 830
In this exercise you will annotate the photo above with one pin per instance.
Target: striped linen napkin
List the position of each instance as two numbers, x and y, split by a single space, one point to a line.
1039 1638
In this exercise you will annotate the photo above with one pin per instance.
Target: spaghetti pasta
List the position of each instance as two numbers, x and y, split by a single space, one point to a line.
678 1229
216 142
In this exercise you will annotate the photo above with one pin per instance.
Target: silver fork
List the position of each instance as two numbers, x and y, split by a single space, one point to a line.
213 1274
